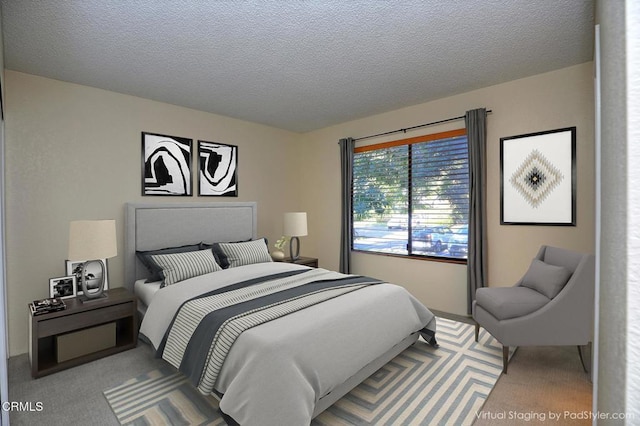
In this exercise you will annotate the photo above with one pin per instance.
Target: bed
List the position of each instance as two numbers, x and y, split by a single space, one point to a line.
286 370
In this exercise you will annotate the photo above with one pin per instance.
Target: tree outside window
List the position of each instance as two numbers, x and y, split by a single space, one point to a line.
411 197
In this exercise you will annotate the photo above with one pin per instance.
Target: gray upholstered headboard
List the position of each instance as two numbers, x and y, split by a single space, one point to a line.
155 226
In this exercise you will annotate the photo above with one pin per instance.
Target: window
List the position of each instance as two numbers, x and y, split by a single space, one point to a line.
411 196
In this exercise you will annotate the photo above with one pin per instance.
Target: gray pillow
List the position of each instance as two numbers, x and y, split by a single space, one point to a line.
545 278
178 267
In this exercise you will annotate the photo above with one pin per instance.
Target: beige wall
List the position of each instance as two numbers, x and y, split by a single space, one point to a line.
548 101
74 152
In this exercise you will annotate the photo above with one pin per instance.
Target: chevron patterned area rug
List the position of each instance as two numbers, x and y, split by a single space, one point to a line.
421 386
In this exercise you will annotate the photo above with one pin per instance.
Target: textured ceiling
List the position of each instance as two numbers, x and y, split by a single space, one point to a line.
291 64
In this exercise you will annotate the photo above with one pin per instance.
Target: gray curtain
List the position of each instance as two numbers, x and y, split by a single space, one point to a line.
476 124
346 161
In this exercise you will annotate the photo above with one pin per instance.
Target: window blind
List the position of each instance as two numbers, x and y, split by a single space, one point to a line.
407 191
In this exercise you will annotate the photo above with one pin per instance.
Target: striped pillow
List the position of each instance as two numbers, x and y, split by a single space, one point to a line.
245 253
154 269
178 267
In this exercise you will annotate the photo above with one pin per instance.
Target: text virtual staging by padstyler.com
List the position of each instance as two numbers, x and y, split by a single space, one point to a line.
551 416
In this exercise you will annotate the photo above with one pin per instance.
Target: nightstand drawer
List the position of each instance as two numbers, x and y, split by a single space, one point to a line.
84 319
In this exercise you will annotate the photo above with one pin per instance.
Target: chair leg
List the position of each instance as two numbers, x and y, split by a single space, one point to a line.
477 331
582 359
505 358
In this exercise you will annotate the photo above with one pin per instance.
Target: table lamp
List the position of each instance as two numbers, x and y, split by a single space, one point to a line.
90 241
295 225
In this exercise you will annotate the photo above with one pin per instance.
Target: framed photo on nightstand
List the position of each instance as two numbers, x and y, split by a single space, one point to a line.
93 276
63 287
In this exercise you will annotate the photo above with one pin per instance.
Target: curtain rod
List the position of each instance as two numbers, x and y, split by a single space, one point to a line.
414 127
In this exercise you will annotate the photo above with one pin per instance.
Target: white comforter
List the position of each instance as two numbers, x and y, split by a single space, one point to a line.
275 372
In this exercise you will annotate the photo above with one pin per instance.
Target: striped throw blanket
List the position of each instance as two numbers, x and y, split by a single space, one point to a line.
205 328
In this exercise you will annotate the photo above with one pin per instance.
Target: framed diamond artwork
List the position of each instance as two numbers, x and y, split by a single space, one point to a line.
538 178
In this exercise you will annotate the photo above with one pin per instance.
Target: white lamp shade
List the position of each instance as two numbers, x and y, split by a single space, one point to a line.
92 239
295 224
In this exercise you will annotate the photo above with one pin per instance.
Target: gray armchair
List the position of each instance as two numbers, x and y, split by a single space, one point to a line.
551 305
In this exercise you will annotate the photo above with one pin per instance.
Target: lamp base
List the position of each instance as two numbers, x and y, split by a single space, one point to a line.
97 294
294 254
84 299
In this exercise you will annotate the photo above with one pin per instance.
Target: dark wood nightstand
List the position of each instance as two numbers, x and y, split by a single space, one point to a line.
307 261
82 332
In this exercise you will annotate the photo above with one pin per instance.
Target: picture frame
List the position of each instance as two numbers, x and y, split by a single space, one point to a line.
217 169
75 268
63 287
538 178
166 165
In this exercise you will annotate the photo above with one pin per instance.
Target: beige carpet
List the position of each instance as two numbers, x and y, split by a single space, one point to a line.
542 383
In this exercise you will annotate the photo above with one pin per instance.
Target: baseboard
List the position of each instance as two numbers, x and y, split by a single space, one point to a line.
455 317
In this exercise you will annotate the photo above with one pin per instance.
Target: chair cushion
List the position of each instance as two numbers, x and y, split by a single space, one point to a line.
510 302
545 278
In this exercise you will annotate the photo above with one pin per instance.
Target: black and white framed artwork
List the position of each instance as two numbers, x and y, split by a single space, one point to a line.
538 178
93 274
166 165
217 172
63 287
